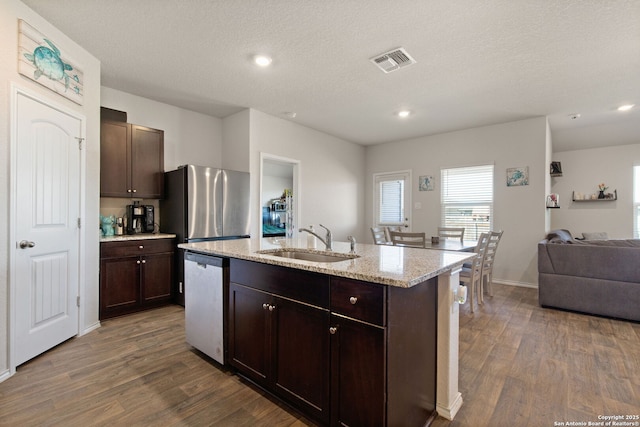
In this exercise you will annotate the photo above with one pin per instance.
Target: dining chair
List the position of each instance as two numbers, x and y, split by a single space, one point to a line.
451 233
489 258
379 235
389 228
415 240
471 275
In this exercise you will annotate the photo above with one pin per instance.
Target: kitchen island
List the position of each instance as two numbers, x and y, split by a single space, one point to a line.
352 342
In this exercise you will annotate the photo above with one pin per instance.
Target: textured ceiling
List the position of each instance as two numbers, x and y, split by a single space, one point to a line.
478 62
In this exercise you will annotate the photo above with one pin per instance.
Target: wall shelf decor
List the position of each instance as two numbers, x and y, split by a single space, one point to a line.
609 197
556 169
553 201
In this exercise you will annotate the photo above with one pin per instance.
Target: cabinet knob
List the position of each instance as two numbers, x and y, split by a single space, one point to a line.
141 247
134 191
138 262
333 330
129 191
272 307
144 261
353 300
265 306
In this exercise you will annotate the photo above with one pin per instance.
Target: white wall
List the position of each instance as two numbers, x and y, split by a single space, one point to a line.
519 211
273 187
189 137
331 173
582 171
236 141
10 12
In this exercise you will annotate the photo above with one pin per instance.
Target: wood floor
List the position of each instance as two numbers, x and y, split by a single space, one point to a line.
520 365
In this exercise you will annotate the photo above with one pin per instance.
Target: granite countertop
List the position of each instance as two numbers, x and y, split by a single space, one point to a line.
141 236
387 265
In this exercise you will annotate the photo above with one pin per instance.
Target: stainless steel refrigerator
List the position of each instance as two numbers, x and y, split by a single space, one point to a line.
203 203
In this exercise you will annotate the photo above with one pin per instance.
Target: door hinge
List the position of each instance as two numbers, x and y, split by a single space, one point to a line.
79 223
78 301
79 142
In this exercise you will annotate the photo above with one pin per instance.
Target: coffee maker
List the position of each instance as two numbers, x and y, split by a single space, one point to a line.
140 218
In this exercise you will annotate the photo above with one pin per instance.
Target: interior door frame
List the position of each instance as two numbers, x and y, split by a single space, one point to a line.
297 189
16 91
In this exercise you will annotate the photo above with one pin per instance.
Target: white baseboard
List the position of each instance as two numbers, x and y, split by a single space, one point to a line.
4 375
90 328
450 413
514 283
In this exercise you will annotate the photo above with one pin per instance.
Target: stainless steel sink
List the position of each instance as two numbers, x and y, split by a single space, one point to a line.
309 256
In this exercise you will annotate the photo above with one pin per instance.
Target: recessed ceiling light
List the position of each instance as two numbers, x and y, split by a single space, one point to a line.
262 60
404 114
290 114
626 107
574 116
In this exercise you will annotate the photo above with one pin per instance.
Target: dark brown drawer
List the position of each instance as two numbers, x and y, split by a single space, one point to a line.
359 300
308 287
135 247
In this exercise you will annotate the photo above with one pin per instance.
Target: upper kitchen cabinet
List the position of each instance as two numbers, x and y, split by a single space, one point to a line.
131 161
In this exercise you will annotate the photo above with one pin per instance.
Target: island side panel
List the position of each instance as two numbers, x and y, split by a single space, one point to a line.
449 399
411 353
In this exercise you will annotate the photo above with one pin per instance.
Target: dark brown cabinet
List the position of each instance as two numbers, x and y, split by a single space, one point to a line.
135 275
383 353
131 160
358 351
281 344
343 351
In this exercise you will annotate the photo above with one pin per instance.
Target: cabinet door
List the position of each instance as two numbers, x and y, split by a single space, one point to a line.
301 356
119 286
249 331
156 278
357 373
147 162
115 159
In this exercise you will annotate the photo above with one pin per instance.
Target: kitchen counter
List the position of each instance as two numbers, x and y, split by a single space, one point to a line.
387 265
141 236
400 267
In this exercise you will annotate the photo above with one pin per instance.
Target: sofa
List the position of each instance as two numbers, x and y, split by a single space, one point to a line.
600 277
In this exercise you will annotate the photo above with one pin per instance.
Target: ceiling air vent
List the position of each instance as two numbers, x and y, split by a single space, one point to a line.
393 60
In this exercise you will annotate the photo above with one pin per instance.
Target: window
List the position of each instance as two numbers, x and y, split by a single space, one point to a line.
391 194
636 202
467 199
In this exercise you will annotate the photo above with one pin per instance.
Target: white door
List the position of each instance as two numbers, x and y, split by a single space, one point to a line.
392 198
46 229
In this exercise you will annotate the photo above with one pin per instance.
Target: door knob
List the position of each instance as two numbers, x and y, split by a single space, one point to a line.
24 244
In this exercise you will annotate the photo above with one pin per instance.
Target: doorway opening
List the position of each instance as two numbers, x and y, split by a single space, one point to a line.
279 177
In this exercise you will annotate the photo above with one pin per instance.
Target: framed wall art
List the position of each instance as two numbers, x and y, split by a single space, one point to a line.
40 59
517 176
426 183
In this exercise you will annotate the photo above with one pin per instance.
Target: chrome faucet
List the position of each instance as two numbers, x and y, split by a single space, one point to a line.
327 240
352 240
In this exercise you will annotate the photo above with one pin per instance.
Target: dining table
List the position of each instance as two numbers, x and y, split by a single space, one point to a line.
452 245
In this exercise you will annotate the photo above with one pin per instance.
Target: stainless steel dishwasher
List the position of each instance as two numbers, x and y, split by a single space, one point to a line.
205 286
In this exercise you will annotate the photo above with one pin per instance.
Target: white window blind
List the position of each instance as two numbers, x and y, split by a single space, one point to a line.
636 202
467 199
391 202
